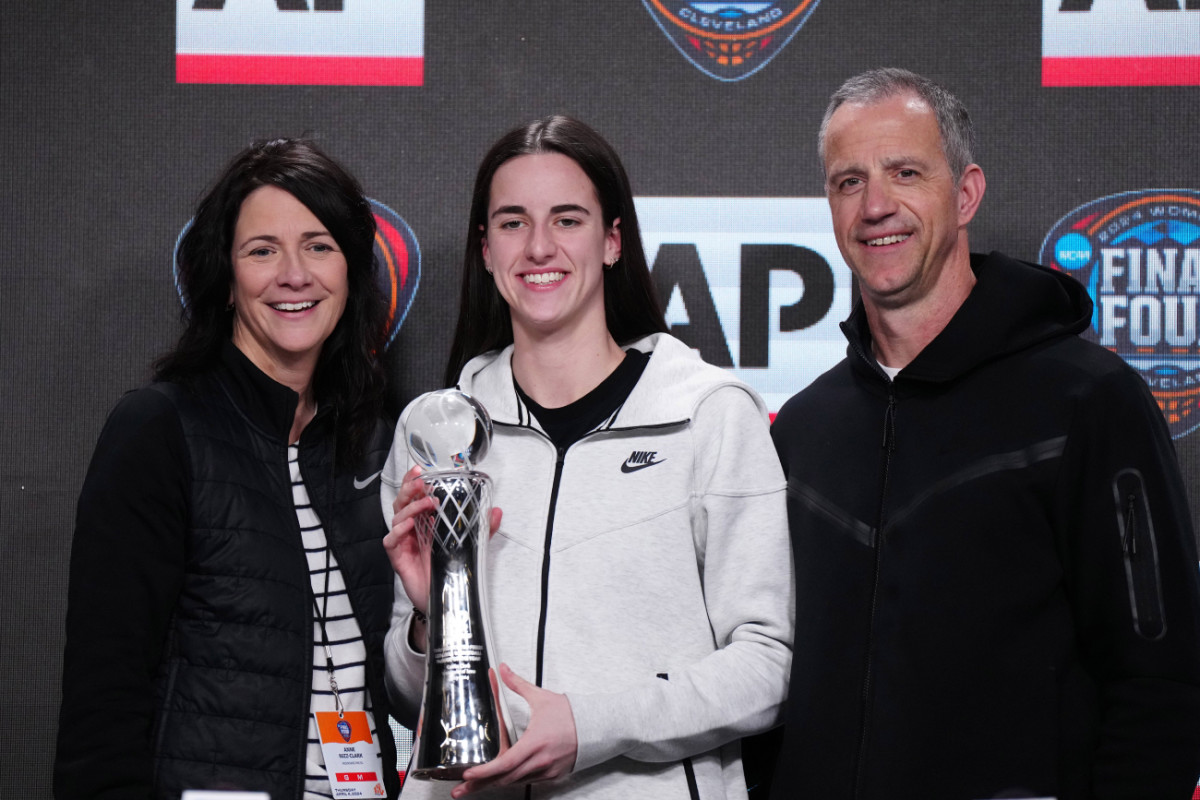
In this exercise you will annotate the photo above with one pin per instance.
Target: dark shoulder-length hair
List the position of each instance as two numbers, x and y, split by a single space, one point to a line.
348 374
631 307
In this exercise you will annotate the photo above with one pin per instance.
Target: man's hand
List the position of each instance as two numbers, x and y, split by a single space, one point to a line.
544 752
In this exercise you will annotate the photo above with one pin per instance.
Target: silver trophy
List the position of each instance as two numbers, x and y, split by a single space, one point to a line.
462 720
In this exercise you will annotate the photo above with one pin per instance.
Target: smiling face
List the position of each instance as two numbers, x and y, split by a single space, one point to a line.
899 218
546 244
289 284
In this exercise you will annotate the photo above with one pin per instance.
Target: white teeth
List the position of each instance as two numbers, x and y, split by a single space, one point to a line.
897 237
293 306
542 278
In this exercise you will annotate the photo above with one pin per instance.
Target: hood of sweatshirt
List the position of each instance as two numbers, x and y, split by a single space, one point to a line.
1013 306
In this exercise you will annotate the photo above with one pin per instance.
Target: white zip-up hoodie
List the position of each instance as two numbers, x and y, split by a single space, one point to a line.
666 535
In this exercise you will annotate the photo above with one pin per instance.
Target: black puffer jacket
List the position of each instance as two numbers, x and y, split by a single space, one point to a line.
189 630
995 568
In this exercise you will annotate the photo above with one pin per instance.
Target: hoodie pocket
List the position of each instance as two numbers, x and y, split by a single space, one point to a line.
1140 553
689 770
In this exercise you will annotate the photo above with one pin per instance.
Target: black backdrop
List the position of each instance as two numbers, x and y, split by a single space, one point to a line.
105 153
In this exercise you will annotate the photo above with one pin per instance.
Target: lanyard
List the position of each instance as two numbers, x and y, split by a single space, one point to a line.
320 614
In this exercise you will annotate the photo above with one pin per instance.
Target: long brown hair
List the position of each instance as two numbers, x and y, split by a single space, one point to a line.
631 307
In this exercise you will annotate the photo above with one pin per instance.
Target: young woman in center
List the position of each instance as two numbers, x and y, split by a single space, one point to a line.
640 580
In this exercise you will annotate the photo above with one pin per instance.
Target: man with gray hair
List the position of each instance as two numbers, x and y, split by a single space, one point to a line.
997 587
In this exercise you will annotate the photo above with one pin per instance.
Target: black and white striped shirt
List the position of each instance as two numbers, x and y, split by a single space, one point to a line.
344 636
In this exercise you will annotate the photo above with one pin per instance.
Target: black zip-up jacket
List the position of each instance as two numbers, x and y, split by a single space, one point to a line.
189 626
996 573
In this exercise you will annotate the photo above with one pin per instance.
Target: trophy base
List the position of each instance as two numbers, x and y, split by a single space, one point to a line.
453 772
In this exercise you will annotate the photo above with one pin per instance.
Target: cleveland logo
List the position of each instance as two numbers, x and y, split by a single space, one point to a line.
729 40
1138 254
640 459
396 252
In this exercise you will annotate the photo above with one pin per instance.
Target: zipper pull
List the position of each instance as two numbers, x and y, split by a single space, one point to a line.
1130 542
889 424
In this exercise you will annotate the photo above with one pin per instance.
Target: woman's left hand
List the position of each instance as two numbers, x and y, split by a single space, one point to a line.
409 560
544 752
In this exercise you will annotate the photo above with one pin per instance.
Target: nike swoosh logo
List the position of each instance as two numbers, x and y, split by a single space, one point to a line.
365 483
627 467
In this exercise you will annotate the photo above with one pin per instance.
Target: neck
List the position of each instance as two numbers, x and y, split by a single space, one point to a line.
900 333
300 382
295 373
558 370
306 409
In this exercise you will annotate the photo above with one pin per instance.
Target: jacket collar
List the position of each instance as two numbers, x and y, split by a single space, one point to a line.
266 403
673 383
1013 306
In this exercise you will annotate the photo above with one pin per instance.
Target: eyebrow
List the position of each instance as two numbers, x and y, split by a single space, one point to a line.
561 209
896 162
266 237
904 161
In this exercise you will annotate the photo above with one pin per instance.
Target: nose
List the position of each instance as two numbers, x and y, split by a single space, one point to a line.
878 202
293 270
540 245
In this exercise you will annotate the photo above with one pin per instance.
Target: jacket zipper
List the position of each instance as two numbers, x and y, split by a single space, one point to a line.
1140 555
888 446
541 635
689 769
560 456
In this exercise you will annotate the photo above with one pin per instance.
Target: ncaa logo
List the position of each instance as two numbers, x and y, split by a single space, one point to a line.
730 41
1138 254
396 252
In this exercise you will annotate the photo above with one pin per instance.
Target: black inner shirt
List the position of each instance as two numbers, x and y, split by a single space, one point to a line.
568 424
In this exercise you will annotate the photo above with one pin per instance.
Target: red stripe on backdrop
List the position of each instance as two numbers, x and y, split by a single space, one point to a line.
1122 71
301 70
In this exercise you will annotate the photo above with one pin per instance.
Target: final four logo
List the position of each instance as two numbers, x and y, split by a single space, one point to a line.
396 252
1138 254
399 259
729 40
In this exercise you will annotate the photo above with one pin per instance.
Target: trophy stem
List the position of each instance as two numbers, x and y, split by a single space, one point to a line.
460 713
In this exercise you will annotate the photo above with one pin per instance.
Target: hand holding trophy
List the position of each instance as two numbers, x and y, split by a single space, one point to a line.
462 722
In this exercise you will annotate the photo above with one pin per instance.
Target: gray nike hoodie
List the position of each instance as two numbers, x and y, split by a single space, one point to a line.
667 604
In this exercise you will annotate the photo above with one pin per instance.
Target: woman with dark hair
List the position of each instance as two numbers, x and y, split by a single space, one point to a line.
227 587
640 580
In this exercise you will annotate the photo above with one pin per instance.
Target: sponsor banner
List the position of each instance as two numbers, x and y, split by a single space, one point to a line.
754 284
300 42
730 41
1138 254
1120 42
396 252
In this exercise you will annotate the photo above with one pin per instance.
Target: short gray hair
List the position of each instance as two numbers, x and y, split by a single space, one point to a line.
873 86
